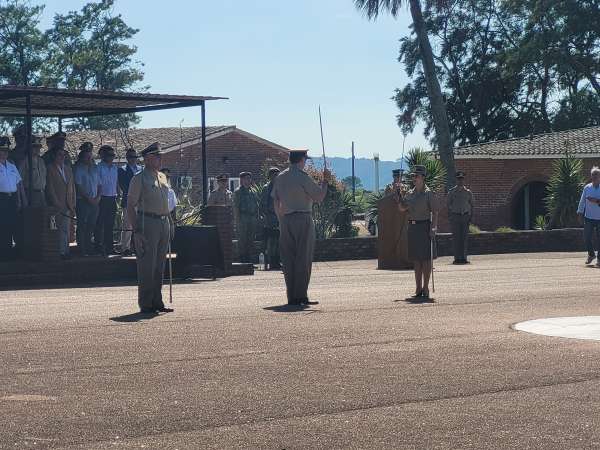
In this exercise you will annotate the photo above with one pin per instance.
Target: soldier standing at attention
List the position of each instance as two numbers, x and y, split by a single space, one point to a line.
460 211
221 196
10 201
422 210
148 212
270 222
245 211
294 192
38 195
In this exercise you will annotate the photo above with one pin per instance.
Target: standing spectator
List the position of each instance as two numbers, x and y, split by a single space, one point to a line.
19 153
37 196
126 173
221 196
60 193
270 222
589 208
108 181
86 178
460 211
245 211
56 142
10 200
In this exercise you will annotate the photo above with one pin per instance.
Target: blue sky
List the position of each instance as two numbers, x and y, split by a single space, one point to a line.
276 60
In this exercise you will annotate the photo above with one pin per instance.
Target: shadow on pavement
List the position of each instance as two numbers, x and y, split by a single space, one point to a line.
134 317
287 308
417 300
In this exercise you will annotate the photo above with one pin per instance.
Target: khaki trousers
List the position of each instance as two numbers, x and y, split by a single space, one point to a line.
297 246
151 244
125 233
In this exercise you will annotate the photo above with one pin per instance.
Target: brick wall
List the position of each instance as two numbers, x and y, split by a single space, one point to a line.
565 240
495 183
231 153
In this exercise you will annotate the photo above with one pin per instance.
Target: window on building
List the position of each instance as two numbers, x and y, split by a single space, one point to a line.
234 183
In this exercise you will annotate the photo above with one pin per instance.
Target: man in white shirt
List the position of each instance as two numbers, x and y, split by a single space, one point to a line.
589 208
108 189
10 200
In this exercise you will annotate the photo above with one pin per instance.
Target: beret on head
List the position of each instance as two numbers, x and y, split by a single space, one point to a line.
245 174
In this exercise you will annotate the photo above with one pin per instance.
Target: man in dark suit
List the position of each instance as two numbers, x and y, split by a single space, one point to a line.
126 173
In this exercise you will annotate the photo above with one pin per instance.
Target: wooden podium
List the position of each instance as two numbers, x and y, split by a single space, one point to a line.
392 239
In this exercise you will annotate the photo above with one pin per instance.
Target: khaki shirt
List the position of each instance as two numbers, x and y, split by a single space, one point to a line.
420 204
220 198
149 192
296 190
460 201
39 173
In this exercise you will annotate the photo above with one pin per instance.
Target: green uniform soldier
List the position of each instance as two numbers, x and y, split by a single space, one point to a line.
245 211
460 211
293 193
38 195
270 222
148 212
221 196
393 186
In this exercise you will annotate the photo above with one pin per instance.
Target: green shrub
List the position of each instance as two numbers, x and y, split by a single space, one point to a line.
540 223
504 230
564 190
474 229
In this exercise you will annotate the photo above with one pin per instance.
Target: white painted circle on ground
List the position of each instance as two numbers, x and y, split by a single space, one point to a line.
584 327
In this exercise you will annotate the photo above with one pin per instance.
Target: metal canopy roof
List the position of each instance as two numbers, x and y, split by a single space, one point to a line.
69 103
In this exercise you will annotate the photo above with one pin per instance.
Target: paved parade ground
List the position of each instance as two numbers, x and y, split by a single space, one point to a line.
230 368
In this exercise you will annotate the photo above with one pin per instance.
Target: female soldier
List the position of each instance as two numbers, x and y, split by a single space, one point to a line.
422 210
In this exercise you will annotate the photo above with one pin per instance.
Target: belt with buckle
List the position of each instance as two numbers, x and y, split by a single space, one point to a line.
153 216
416 222
461 214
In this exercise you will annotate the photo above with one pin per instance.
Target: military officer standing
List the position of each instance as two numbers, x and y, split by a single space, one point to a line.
10 200
148 212
245 211
460 211
221 196
270 222
294 192
37 197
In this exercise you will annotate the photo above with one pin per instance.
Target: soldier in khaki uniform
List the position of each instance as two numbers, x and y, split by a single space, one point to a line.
393 186
245 212
460 211
148 212
38 195
294 193
221 196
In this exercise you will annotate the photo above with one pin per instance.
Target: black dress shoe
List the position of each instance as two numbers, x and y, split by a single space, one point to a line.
306 301
165 310
147 311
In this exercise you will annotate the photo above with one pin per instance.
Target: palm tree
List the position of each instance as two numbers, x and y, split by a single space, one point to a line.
372 8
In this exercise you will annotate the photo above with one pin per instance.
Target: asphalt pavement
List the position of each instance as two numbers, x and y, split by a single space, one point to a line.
233 368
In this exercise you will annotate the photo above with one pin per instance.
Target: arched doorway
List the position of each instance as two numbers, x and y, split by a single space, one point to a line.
527 204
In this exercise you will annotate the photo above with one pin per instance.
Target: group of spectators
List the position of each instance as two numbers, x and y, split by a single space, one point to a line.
85 192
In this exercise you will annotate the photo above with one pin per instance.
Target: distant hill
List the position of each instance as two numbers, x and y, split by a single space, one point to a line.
364 169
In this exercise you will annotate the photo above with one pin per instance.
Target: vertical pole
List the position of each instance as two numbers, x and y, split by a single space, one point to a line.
60 124
204 168
376 160
526 204
353 176
28 126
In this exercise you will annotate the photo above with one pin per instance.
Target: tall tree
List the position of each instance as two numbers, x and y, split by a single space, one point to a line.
508 68
22 48
444 142
90 49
